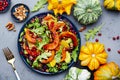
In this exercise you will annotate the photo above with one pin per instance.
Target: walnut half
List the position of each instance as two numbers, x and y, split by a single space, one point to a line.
10 26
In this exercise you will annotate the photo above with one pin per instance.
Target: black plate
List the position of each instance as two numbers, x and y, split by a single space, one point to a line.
13 10
41 15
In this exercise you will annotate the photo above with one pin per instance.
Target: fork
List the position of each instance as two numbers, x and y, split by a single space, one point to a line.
10 59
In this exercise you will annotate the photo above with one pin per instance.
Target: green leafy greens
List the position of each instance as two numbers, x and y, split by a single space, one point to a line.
58 55
39 5
74 54
35 24
92 32
44 55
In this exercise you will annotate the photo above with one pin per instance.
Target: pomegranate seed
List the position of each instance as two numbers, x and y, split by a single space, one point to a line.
99 34
109 49
118 37
96 40
0 3
119 51
114 38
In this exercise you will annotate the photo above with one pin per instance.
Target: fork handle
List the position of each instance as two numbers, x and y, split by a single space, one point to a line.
18 78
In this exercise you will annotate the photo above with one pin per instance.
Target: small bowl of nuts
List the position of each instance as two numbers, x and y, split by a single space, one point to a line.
4 5
20 12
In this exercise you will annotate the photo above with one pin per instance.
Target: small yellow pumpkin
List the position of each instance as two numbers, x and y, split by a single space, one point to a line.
109 71
112 4
93 54
60 6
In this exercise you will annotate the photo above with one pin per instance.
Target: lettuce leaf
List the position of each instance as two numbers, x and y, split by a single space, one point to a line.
44 55
74 54
58 55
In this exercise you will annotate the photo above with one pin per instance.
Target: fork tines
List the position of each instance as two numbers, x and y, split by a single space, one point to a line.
8 54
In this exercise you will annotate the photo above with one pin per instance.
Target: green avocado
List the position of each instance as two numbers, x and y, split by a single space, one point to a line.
68 58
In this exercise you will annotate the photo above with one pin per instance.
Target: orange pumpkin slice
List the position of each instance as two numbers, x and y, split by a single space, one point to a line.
69 35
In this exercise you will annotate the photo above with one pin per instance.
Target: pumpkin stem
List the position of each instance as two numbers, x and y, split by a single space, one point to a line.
93 55
89 10
60 1
115 78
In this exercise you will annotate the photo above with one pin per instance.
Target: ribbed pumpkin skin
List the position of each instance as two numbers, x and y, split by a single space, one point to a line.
87 11
112 4
93 54
109 71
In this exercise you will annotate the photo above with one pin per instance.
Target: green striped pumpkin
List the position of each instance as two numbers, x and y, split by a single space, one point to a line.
87 11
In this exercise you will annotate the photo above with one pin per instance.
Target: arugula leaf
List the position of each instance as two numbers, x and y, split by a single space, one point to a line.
35 24
74 54
44 55
53 69
92 32
64 66
28 61
39 5
21 36
35 63
39 30
45 39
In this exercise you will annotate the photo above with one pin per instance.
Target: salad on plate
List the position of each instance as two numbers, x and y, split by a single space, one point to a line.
49 44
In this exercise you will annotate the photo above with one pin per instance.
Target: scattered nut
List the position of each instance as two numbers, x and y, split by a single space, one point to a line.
14 30
82 29
10 26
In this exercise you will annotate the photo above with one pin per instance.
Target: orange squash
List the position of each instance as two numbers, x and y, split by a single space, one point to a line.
29 37
54 44
109 71
49 59
93 54
69 35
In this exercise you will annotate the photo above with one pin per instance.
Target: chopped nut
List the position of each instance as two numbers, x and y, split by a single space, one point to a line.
20 12
10 26
14 30
82 29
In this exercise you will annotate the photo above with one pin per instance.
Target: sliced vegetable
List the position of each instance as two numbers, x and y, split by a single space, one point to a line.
53 63
68 57
54 44
41 58
29 37
63 55
49 44
69 35
50 58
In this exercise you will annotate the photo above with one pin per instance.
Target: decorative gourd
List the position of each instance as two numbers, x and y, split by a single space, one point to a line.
61 6
87 11
112 4
93 54
109 71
